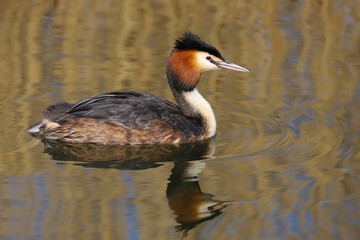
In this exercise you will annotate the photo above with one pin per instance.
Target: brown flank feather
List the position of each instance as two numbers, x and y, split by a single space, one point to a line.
89 130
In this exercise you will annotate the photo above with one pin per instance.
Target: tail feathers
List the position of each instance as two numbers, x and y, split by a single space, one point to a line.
35 129
40 127
53 113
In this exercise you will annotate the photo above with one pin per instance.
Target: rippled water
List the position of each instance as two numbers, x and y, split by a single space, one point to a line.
284 164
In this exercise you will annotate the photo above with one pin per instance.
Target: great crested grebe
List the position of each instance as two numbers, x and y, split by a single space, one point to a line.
134 117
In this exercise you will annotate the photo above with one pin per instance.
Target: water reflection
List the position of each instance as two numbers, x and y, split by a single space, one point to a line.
190 205
129 156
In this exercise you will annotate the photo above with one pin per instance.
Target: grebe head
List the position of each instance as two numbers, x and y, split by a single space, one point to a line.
190 57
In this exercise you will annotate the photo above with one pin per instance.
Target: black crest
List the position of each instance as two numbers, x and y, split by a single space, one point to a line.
190 41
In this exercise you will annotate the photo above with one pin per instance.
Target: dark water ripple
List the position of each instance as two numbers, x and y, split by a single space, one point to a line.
247 134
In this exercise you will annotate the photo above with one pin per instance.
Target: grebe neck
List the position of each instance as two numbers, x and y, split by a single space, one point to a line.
194 105
182 79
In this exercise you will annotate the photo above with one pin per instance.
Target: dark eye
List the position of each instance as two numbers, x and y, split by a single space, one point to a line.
208 58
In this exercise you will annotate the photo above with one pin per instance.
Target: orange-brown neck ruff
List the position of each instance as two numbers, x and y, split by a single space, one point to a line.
184 65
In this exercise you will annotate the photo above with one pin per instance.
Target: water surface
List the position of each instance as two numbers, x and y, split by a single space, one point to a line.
284 164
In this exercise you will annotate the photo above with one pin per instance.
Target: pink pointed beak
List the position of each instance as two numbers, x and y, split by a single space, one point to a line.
230 66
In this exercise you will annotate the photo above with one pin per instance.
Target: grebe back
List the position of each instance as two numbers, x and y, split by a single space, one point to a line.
134 117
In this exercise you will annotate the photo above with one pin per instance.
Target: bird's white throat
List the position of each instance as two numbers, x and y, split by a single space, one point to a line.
200 105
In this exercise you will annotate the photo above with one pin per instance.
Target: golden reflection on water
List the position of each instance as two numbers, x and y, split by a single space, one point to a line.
287 144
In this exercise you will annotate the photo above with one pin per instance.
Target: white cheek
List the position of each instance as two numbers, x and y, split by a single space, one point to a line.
205 64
